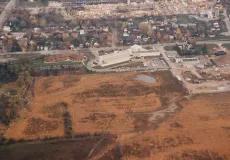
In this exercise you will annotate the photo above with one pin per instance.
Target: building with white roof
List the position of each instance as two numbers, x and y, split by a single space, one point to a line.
139 51
126 55
115 58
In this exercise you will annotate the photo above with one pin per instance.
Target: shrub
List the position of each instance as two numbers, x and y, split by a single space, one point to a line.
97 134
80 135
21 140
46 138
11 141
3 140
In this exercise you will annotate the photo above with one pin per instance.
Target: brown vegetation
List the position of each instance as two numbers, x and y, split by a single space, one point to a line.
118 104
63 150
198 132
38 125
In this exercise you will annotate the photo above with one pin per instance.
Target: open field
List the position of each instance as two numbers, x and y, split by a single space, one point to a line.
185 19
73 149
94 103
199 129
222 60
198 47
227 45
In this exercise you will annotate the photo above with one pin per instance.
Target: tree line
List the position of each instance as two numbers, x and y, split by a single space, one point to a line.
14 100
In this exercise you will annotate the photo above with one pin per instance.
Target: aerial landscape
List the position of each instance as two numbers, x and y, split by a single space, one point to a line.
115 79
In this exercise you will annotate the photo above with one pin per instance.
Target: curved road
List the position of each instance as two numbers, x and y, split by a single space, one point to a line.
4 15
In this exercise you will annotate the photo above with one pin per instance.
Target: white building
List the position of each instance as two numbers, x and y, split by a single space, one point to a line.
126 55
6 29
115 58
139 51
194 60
54 4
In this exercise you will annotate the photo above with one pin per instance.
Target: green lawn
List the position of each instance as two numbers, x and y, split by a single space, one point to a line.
40 62
185 19
210 47
169 48
1 84
227 45
219 37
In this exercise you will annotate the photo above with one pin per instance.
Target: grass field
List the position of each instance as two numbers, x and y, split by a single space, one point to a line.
96 103
227 45
63 150
200 131
197 46
119 104
183 19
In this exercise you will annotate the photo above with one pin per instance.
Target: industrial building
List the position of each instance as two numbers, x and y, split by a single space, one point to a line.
134 51
115 58
187 59
139 51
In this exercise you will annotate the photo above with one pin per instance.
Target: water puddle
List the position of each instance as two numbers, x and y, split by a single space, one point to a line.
145 78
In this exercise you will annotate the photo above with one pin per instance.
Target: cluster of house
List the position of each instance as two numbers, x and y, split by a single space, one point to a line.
83 2
168 30
214 29
64 57
134 51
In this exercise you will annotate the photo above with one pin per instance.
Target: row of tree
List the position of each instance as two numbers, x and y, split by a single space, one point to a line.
193 50
14 101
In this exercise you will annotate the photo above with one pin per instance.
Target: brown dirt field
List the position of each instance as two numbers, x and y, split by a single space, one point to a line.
62 150
118 104
200 131
96 103
221 60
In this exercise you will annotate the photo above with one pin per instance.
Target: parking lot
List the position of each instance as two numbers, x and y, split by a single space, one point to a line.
172 54
155 63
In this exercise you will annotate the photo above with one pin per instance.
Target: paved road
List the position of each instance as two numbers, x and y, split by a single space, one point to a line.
54 52
4 15
160 47
205 87
227 21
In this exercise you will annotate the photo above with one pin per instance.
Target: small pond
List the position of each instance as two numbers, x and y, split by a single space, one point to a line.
145 78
